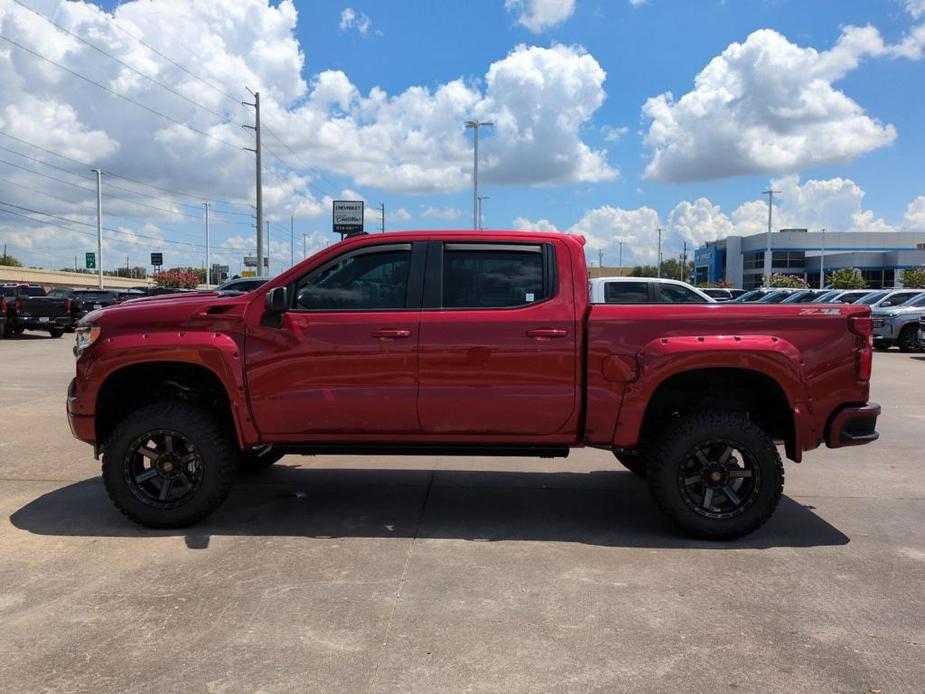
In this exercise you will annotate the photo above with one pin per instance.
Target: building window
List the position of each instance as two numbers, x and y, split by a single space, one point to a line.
753 261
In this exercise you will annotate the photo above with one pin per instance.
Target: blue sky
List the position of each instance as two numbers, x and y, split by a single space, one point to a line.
823 98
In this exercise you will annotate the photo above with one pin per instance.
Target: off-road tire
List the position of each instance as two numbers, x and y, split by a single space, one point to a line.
680 439
908 339
634 462
251 462
212 441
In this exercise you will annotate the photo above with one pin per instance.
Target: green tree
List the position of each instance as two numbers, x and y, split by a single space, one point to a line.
6 259
671 270
787 281
914 278
847 278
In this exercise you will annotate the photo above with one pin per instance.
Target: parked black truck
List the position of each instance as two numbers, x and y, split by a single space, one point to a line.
30 308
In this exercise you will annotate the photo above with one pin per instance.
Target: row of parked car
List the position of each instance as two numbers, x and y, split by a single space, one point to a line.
57 311
898 314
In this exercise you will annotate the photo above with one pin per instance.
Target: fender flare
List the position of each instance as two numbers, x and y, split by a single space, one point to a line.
664 358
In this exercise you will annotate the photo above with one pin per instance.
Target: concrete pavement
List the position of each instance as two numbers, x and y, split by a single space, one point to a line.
343 574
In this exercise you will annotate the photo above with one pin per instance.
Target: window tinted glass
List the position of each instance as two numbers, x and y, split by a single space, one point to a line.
360 280
676 294
492 278
898 299
872 298
60 293
626 293
32 291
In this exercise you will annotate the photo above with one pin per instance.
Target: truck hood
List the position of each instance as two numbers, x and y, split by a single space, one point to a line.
164 312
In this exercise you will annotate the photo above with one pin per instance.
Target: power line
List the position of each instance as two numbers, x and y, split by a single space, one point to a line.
120 95
105 228
122 63
111 185
112 21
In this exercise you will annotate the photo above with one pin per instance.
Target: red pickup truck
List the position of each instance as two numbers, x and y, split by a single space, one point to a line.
466 343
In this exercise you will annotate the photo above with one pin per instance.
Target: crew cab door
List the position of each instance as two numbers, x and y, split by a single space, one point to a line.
343 358
498 344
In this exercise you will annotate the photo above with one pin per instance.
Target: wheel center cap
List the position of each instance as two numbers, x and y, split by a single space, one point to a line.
715 476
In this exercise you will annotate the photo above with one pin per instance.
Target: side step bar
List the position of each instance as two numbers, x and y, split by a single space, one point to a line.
423 449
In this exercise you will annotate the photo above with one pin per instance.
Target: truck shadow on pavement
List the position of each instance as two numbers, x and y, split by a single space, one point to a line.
606 508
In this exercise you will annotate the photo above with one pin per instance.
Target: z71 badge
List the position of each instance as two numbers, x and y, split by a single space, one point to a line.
820 312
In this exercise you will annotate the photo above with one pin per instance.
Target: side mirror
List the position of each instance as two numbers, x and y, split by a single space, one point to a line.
277 300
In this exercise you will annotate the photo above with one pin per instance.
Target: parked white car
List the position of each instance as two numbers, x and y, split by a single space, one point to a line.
644 290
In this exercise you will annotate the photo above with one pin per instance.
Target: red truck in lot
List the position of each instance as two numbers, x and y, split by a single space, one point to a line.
465 343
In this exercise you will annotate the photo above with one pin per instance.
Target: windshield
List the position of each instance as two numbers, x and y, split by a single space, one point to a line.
871 298
60 293
753 295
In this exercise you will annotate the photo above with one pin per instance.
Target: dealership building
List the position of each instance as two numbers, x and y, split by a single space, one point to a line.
880 256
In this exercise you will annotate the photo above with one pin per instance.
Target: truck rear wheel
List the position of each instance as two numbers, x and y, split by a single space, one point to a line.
169 465
716 475
56 332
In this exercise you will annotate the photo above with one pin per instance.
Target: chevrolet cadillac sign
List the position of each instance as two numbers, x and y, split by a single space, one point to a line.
348 217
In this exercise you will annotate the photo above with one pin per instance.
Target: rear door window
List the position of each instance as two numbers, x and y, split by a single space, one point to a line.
676 294
485 275
626 293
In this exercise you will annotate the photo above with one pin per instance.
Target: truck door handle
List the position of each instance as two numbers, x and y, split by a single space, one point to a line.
391 334
546 333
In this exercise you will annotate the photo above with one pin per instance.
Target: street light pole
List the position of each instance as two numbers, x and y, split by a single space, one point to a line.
822 262
208 258
480 198
767 256
621 259
475 125
658 269
99 226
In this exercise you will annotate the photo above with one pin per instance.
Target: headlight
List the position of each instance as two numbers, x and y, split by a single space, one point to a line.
85 336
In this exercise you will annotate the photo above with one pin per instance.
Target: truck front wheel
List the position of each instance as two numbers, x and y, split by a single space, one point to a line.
169 464
716 475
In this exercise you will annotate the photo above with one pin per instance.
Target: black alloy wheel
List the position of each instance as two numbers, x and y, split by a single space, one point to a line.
719 479
169 464
716 474
162 468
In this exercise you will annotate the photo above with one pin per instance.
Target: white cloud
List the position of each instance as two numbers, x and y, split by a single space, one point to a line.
916 8
400 215
539 15
835 204
914 220
614 134
351 19
524 224
412 141
638 3
448 213
768 105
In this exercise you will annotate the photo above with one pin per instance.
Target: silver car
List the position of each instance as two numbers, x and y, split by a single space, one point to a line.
898 325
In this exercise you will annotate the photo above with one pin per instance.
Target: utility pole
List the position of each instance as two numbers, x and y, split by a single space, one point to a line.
382 217
658 269
208 248
304 252
475 125
621 259
99 225
822 262
268 246
481 223
684 261
767 256
600 257
256 150
291 240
